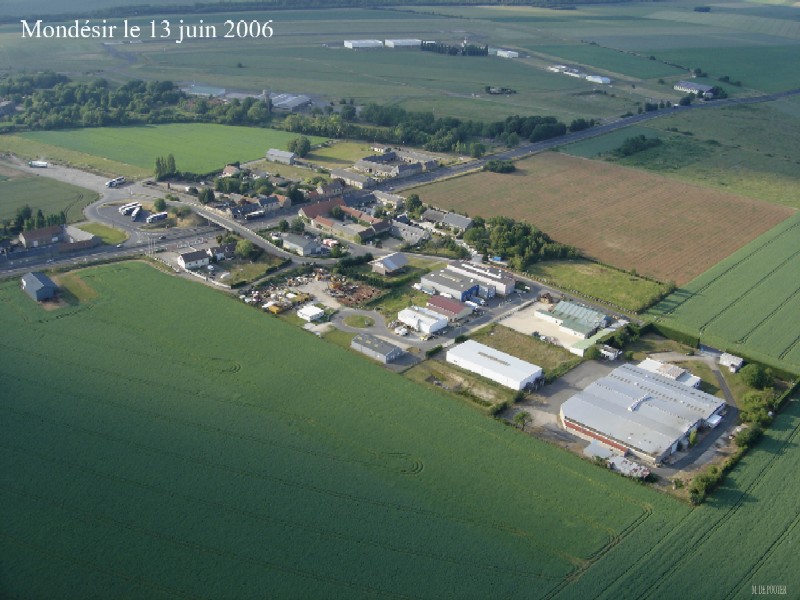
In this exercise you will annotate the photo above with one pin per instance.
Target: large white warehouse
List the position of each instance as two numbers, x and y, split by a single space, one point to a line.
498 366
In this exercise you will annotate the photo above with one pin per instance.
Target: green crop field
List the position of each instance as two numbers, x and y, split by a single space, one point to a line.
144 456
747 150
198 147
748 303
18 188
150 451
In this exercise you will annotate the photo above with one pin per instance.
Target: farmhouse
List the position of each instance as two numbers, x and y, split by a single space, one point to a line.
673 372
320 209
300 244
448 283
694 88
493 364
363 44
646 414
38 286
387 199
194 259
231 171
452 309
421 319
46 236
734 363
389 264
376 348
223 252
281 156
409 43
574 319
491 280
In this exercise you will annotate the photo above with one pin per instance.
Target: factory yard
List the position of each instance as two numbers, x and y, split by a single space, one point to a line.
526 321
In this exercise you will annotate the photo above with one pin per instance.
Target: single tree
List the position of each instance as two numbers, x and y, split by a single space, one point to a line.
245 249
283 225
297 225
522 418
160 205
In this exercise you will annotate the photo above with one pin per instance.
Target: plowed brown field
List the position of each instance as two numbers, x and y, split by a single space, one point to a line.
663 228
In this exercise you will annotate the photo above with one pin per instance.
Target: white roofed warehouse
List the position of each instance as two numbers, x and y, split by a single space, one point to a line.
498 366
422 320
638 412
362 44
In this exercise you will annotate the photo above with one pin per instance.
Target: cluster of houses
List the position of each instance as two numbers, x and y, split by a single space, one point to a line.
578 74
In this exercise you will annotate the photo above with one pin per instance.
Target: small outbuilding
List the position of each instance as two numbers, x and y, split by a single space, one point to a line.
310 313
734 363
390 264
38 286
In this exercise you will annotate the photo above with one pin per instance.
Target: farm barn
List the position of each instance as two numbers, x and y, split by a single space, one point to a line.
498 366
635 411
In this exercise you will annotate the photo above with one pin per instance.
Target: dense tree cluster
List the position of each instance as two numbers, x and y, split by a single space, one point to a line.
519 243
499 166
165 167
638 143
300 146
52 101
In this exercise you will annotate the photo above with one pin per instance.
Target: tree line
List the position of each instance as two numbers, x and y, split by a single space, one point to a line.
25 219
52 101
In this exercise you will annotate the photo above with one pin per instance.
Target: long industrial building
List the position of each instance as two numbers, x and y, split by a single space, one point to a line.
632 410
498 366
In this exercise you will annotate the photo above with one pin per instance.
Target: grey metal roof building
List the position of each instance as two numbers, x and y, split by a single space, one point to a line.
449 283
457 221
491 280
633 410
376 348
391 263
575 318
299 244
692 88
38 286
289 102
281 156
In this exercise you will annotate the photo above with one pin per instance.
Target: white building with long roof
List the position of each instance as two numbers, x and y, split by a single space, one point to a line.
493 364
635 411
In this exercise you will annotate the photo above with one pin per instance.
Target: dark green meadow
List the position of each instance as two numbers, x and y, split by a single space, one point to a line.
162 440
165 440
